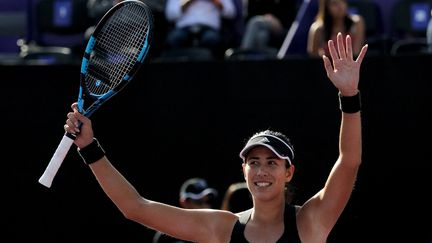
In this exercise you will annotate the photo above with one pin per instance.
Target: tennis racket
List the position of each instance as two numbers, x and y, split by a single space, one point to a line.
113 55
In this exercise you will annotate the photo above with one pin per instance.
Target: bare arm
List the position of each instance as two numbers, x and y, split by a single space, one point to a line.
192 225
174 9
218 4
358 33
314 40
323 210
185 4
226 7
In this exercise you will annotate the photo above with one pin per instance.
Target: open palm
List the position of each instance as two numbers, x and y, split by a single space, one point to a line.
343 70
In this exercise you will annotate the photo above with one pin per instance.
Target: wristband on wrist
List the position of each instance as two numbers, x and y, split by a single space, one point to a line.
92 152
350 104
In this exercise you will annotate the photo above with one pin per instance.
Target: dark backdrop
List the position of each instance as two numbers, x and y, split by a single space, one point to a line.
178 120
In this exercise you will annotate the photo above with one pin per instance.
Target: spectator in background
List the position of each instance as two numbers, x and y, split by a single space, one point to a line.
194 194
155 5
333 17
197 23
429 34
268 22
237 198
96 10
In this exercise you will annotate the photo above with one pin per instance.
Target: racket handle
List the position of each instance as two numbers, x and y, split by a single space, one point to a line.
56 160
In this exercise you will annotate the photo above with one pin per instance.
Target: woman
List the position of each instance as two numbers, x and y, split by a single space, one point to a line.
267 166
267 23
237 198
332 18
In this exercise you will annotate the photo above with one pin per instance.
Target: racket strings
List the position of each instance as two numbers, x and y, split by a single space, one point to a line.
118 46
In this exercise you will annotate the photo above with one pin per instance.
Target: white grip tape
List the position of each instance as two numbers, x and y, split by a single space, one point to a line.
56 161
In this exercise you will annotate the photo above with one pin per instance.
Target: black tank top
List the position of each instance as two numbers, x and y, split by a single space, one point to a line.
290 234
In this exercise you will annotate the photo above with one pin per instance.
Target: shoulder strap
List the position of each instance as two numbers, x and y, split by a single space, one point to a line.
237 235
290 234
245 216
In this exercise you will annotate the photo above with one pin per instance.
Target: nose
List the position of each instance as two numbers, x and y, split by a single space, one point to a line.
262 171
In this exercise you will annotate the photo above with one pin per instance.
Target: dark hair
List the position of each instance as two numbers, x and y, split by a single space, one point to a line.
328 22
237 198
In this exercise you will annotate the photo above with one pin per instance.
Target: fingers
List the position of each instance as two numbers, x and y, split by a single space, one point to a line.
341 47
74 106
349 49
80 126
332 49
69 127
327 65
344 48
362 54
72 123
75 120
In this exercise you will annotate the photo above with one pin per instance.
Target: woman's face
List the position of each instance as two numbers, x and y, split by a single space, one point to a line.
337 8
266 174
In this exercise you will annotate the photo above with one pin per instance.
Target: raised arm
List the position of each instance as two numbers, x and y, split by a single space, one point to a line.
326 206
193 225
314 39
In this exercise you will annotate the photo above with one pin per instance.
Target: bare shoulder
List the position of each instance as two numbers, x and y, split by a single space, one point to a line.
359 25
356 18
316 26
223 223
220 217
308 226
297 208
315 31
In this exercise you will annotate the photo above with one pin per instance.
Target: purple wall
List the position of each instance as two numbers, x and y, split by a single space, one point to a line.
386 6
21 5
13 24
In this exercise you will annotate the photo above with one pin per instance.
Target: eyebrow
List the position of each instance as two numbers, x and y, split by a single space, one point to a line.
267 158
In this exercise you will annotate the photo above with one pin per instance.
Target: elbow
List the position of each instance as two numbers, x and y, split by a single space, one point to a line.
132 210
128 214
356 163
353 160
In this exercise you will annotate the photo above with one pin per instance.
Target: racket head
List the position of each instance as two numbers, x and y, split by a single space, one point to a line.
114 53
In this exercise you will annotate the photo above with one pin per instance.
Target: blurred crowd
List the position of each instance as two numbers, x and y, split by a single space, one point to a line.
231 29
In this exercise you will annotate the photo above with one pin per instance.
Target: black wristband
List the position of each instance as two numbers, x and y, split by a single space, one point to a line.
350 104
92 152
